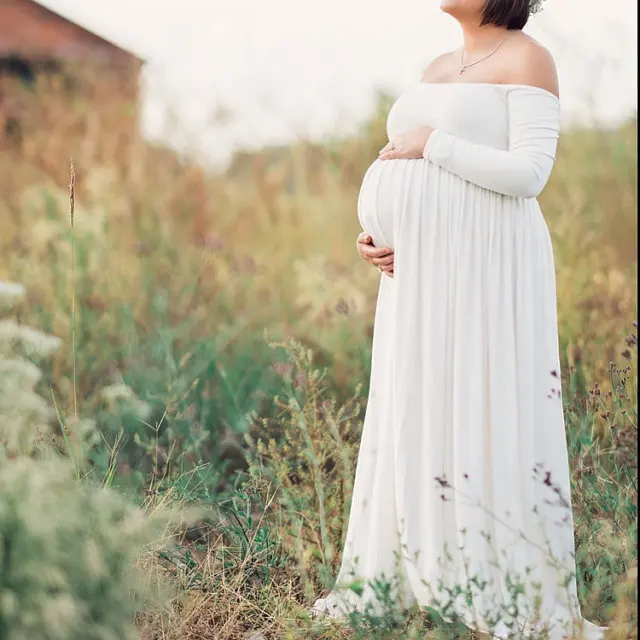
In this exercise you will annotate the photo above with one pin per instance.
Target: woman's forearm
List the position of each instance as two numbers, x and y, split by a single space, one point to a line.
522 170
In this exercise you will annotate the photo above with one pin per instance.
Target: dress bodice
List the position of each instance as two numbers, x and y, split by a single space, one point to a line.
472 111
491 137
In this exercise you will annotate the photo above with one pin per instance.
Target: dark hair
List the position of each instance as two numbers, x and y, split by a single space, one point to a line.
512 14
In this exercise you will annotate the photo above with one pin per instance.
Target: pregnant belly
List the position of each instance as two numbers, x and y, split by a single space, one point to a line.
386 191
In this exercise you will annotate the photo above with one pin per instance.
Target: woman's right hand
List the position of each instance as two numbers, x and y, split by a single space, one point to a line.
379 257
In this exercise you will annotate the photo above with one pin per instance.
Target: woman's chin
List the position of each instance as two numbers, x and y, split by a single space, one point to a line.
462 9
448 6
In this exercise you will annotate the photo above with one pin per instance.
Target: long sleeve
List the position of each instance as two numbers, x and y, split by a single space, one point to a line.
523 169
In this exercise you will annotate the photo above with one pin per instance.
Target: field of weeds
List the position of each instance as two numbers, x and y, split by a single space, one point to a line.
184 361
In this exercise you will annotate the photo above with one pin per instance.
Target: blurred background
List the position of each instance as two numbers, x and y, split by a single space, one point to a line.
282 69
185 324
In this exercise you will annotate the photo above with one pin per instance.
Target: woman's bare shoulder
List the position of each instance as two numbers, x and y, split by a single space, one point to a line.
439 66
530 63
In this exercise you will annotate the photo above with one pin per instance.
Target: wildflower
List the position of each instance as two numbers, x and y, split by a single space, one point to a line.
115 392
18 373
10 293
121 393
16 338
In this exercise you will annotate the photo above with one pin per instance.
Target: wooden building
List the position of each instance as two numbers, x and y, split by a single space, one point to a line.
36 41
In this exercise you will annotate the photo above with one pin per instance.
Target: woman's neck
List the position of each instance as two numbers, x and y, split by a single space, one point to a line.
478 39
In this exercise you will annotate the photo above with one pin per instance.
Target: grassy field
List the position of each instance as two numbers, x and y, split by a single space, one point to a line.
183 458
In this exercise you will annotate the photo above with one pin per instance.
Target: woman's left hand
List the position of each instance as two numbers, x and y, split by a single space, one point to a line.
407 145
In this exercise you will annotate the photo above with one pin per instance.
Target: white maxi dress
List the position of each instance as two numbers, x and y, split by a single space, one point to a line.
462 476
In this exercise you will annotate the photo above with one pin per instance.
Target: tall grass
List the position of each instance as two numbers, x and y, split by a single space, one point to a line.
181 281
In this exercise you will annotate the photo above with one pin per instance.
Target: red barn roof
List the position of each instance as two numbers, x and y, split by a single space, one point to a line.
30 30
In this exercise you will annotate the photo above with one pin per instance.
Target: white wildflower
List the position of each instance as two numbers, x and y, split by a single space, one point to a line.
142 409
115 392
10 293
8 337
16 339
29 404
23 419
121 393
18 373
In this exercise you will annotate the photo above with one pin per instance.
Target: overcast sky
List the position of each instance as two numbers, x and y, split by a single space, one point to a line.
310 66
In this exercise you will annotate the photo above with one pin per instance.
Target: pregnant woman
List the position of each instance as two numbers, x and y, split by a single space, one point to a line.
462 477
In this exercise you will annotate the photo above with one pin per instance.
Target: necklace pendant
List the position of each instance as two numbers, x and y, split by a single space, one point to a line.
461 71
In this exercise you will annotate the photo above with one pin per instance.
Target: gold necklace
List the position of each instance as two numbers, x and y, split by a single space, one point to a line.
464 66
